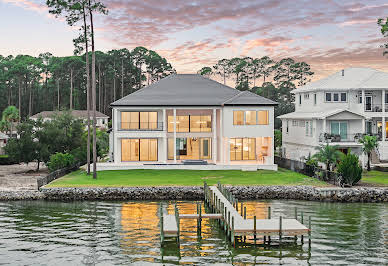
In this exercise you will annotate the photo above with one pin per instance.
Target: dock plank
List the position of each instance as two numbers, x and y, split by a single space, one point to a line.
203 216
263 226
170 227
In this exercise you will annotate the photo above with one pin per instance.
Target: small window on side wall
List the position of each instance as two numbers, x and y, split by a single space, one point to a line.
300 99
315 99
328 96
335 97
343 96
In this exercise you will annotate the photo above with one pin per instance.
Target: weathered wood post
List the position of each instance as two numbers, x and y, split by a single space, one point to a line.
237 205
296 218
269 217
232 233
254 229
309 231
280 229
301 220
225 220
200 219
245 213
161 224
228 223
177 222
242 209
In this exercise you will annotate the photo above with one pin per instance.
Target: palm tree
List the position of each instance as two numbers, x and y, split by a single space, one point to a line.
369 143
328 155
10 116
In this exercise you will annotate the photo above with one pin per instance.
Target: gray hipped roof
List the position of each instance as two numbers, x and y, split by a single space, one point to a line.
353 78
190 90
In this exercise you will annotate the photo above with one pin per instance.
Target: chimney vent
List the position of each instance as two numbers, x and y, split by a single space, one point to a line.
343 72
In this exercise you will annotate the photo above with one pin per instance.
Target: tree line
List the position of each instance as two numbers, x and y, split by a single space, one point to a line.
276 78
47 82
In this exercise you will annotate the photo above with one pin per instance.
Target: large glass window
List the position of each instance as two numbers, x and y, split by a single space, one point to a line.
139 150
190 148
190 123
328 97
263 117
139 120
250 118
242 149
200 123
339 128
238 117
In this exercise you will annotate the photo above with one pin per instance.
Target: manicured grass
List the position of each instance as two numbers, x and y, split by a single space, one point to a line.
375 177
127 178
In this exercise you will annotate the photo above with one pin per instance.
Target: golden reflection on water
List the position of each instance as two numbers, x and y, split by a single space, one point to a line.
140 228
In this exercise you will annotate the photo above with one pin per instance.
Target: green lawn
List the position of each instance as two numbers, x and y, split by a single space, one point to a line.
128 178
375 177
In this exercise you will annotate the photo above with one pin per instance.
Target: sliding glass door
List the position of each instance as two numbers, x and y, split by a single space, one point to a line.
242 149
190 148
339 128
133 150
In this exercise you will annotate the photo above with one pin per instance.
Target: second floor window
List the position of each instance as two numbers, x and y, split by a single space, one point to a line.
315 99
336 96
190 123
250 117
139 120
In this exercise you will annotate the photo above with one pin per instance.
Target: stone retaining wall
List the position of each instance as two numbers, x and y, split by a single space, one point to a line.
365 194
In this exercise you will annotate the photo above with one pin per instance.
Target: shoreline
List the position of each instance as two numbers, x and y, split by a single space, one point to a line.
308 193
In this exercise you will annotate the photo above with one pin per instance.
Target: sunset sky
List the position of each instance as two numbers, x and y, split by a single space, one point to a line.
329 35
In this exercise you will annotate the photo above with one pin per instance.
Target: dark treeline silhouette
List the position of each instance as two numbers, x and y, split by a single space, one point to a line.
47 82
277 78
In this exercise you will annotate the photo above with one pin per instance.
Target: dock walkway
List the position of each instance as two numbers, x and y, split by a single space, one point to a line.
224 208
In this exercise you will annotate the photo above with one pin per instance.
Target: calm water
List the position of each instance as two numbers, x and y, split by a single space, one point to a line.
111 233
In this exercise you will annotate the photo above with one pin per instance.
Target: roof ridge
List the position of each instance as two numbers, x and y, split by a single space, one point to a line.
232 98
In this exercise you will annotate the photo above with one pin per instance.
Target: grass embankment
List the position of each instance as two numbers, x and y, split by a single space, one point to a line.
130 178
375 177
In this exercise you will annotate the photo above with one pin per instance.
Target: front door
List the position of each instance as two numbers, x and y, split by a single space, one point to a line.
368 103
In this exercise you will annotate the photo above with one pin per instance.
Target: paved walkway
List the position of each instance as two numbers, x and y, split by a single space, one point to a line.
20 176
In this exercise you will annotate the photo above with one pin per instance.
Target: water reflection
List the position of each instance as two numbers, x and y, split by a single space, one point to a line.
106 233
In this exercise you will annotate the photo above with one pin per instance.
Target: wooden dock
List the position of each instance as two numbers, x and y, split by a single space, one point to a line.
224 208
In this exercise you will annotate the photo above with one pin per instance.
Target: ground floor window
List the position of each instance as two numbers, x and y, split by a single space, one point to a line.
139 150
339 128
190 148
254 149
242 149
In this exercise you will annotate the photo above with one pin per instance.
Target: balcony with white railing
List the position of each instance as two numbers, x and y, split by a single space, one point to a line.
140 126
334 138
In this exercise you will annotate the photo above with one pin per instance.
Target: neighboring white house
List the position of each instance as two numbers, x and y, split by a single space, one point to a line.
189 118
102 120
338 109
3 142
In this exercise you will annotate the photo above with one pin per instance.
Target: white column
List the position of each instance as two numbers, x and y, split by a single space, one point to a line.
324 125
222 157
384 133
363 126
174 135
383 118
227 151
214 125
165 126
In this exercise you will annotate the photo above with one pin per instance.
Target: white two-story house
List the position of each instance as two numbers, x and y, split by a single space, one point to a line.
338 110
189 119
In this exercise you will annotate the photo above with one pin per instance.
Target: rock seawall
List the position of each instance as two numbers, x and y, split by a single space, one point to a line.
362 194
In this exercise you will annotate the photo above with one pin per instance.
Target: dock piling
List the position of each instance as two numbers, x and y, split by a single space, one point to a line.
280 229
254 229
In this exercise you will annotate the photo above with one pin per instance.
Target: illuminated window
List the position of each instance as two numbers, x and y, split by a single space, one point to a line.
250 118
242 149
190 148
182 123
263 117
139 120
238 117
200 123
139 150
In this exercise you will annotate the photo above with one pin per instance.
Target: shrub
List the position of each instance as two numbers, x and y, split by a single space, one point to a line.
5 160
350 169
60 160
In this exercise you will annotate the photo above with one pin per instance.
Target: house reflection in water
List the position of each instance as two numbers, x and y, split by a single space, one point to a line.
140 231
